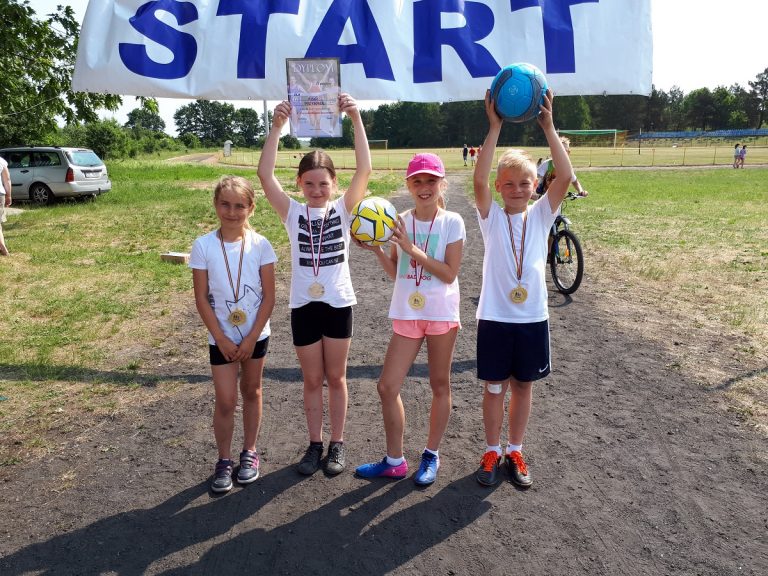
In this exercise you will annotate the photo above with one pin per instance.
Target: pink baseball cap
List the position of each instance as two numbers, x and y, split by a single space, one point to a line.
426 163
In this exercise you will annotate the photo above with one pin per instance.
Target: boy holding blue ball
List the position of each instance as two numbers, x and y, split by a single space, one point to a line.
513 326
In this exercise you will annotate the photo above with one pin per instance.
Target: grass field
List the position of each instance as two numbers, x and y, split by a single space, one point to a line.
85 293
581 156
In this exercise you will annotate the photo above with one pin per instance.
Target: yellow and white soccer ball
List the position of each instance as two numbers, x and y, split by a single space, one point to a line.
373 220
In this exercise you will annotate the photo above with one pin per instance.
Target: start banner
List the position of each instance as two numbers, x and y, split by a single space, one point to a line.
417 50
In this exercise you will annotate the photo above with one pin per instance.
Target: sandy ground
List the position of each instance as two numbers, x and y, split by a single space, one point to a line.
638 468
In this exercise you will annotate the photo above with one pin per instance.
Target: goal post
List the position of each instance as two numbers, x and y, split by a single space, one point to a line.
378 144
611 137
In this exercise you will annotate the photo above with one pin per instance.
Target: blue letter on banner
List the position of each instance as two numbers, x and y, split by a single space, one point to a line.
253 30
369 50
558 31
429 38
183 45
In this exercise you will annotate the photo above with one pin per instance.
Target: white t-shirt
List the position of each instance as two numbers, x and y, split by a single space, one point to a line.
3 166
207 255
499 272
332 263
442 300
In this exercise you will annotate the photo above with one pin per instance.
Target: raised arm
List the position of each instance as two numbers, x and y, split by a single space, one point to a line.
562 163
266 171
483 195
359 184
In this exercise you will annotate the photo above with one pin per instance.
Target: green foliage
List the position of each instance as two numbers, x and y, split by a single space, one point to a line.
212 122
290 142
38 58
143 119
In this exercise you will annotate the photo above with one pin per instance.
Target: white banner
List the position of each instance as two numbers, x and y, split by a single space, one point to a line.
419 51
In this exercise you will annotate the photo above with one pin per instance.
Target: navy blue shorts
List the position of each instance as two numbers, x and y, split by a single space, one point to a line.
217 358
311 322
506 350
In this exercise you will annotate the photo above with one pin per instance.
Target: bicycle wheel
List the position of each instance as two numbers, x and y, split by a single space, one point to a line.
566 262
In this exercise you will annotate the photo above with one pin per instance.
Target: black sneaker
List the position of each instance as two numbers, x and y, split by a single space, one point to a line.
517 469
249 467
488 473
334 464
310 463
222 476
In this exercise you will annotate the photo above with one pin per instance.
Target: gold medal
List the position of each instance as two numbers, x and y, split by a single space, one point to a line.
316 290
417 300
518 295
237 317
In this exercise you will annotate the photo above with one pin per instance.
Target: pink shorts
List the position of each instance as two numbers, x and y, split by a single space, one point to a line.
421 328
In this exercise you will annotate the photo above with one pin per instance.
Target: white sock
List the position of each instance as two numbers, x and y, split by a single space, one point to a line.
395 461
432 452
496 449
514 448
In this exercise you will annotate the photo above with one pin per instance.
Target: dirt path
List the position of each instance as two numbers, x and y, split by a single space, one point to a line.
637 469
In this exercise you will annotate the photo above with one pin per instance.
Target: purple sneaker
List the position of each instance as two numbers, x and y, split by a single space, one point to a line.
382 470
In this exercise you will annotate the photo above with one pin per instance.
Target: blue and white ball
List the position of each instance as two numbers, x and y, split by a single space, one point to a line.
517 92
373 220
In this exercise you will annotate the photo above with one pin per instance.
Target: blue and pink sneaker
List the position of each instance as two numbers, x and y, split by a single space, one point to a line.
382 470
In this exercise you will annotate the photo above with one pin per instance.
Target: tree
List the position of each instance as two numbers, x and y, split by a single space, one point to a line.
699 109
247 126
36 75
759 93
140 119
212 122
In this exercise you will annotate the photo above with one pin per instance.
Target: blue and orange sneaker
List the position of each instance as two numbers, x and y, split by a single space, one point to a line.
383 470
427 472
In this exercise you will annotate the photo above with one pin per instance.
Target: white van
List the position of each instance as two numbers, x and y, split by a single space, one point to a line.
41 174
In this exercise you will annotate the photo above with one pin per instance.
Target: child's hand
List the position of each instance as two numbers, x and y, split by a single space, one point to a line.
545 115
365 246
281 114
400 236
490 110
348 104
228 348
245 350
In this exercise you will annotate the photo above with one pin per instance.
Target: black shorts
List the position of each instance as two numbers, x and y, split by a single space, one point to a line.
217 358
311 322
519 351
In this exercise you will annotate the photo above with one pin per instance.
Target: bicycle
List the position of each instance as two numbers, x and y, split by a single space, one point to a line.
566 259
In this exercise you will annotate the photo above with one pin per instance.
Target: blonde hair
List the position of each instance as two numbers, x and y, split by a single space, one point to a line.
516 159
240 186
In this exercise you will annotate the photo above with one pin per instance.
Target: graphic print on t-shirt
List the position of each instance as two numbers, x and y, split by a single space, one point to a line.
333 248
407 265
248 302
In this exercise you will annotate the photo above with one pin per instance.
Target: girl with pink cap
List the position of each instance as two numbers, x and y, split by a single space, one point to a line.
423 260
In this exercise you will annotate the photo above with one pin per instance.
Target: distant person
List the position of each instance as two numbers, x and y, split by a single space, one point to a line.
545 171
233 274
5 200
464 153
742 156
472 153
736 155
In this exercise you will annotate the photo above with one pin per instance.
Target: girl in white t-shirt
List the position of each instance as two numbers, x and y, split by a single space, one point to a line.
424 262
233 275
321 297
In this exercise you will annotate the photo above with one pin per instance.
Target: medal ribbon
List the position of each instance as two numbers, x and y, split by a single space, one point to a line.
316 268
418 274
518 262
235 292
